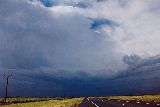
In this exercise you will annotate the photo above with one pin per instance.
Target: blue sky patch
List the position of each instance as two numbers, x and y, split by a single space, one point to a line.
101 22
100 0
82 5
47 3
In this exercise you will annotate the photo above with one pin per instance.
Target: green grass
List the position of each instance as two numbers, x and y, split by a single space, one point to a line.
50 103
147 98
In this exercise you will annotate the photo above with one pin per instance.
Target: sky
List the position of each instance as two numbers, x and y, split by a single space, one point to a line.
80 47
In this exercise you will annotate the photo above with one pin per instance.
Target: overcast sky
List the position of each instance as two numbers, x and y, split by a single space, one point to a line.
52 42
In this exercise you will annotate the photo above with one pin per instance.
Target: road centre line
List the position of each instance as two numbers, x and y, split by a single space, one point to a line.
94 104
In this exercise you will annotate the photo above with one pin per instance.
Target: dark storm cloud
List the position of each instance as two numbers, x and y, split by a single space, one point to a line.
53 51
140 80
35 38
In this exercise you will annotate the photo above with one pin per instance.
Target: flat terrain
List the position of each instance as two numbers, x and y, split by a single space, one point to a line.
24 100
50 103
111 101
98 102
146 98
122 101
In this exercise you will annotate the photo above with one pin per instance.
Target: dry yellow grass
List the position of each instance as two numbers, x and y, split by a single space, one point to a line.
148 98
51 103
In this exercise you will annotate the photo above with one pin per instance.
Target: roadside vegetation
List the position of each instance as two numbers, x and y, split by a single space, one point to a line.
23 100
74 102
146 98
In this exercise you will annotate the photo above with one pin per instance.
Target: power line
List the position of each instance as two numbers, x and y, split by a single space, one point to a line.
7 76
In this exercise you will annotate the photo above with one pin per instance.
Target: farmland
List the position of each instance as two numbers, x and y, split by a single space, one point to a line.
83 102
119 101
23 100
146 98
43 102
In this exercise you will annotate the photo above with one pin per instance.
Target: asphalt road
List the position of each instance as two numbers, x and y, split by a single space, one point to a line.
97 102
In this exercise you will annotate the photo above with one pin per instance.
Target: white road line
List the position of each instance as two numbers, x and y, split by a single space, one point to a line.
147 103
123 104
94 104
158 104
118 100
88 99
138 102
127 101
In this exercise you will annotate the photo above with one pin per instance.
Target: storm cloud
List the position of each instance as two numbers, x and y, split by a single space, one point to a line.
35 37
53 42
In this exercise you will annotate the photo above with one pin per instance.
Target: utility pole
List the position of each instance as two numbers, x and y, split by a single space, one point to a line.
7 82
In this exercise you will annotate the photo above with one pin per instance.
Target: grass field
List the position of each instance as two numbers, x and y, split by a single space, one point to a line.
22 100
147 98
50 103
74 102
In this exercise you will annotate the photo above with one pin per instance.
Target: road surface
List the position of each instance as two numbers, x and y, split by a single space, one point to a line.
97 102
